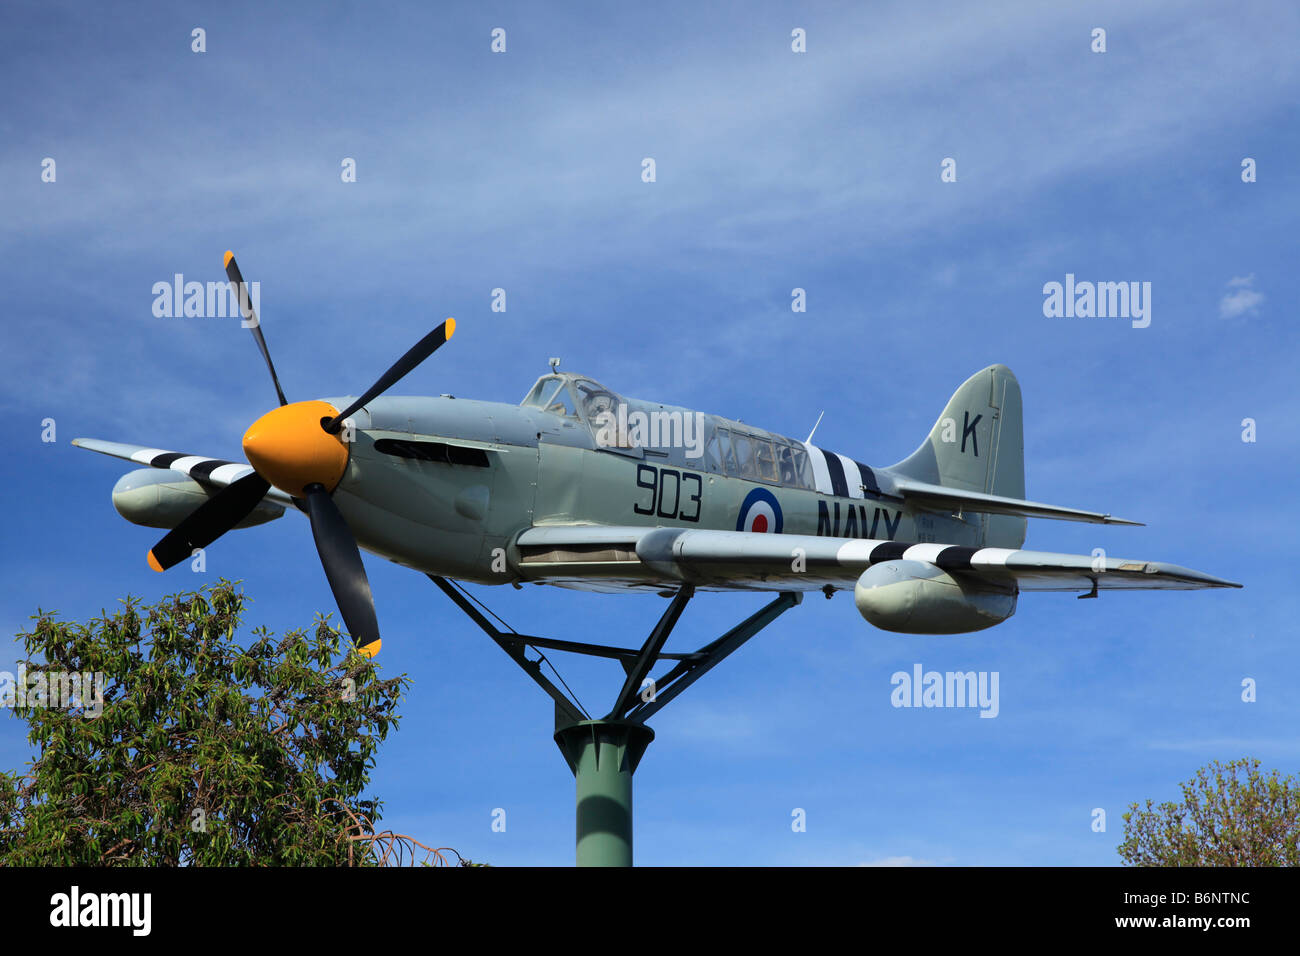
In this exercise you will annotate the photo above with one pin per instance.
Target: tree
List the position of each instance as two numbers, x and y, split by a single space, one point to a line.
203 752
1230 815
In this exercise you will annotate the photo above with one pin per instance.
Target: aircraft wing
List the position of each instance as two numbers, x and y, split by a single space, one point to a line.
209 471
603 557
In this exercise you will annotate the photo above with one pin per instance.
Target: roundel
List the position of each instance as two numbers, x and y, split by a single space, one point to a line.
760 512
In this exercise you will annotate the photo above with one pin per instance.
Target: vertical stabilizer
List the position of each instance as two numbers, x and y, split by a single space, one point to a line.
978 444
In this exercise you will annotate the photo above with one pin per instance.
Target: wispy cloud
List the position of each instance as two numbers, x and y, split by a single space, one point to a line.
1241 297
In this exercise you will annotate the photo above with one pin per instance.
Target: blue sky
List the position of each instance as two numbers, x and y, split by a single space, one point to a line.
775 170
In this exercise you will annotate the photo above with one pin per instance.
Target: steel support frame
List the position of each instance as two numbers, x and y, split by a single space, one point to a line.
604 754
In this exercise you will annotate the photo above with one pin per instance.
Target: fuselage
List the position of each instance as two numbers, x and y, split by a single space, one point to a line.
446 485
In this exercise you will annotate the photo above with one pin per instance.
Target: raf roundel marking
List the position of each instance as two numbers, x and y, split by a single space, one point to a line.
760 513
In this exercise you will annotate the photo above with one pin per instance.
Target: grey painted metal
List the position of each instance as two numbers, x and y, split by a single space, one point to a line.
162 498
938 496
708 557
541 500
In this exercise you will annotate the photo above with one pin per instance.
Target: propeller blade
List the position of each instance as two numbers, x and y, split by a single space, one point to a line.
341 559
209 521
414 356
246 302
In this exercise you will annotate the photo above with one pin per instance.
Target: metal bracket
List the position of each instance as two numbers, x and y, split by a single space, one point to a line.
689 667
687 672
650 651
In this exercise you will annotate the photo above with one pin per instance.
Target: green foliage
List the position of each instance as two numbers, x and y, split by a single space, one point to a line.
205 753
1230 815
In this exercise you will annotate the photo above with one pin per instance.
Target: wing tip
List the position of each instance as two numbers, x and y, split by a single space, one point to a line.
1111 519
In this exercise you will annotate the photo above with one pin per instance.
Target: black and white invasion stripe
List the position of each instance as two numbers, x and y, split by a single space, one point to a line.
835 474
949 557
198 467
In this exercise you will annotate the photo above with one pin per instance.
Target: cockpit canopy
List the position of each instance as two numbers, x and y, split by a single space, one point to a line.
565 394
673 435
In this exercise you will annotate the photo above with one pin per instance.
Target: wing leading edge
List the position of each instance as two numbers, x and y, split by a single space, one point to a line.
578 555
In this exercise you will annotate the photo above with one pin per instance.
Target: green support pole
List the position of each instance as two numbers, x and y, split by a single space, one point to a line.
603 755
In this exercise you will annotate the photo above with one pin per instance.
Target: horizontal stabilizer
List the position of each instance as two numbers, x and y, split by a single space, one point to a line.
940 497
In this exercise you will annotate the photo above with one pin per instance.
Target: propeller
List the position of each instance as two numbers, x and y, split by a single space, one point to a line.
246 307
297 448
231 505
420 351
341 558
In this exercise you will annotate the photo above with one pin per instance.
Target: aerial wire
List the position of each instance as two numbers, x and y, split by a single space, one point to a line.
542 657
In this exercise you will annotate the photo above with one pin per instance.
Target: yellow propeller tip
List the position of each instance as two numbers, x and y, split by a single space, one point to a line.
153 563
451 327
371 649
226 260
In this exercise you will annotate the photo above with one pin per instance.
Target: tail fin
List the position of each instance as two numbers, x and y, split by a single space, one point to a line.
978 444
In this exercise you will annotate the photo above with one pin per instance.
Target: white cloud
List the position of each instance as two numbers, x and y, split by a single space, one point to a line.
1242 297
